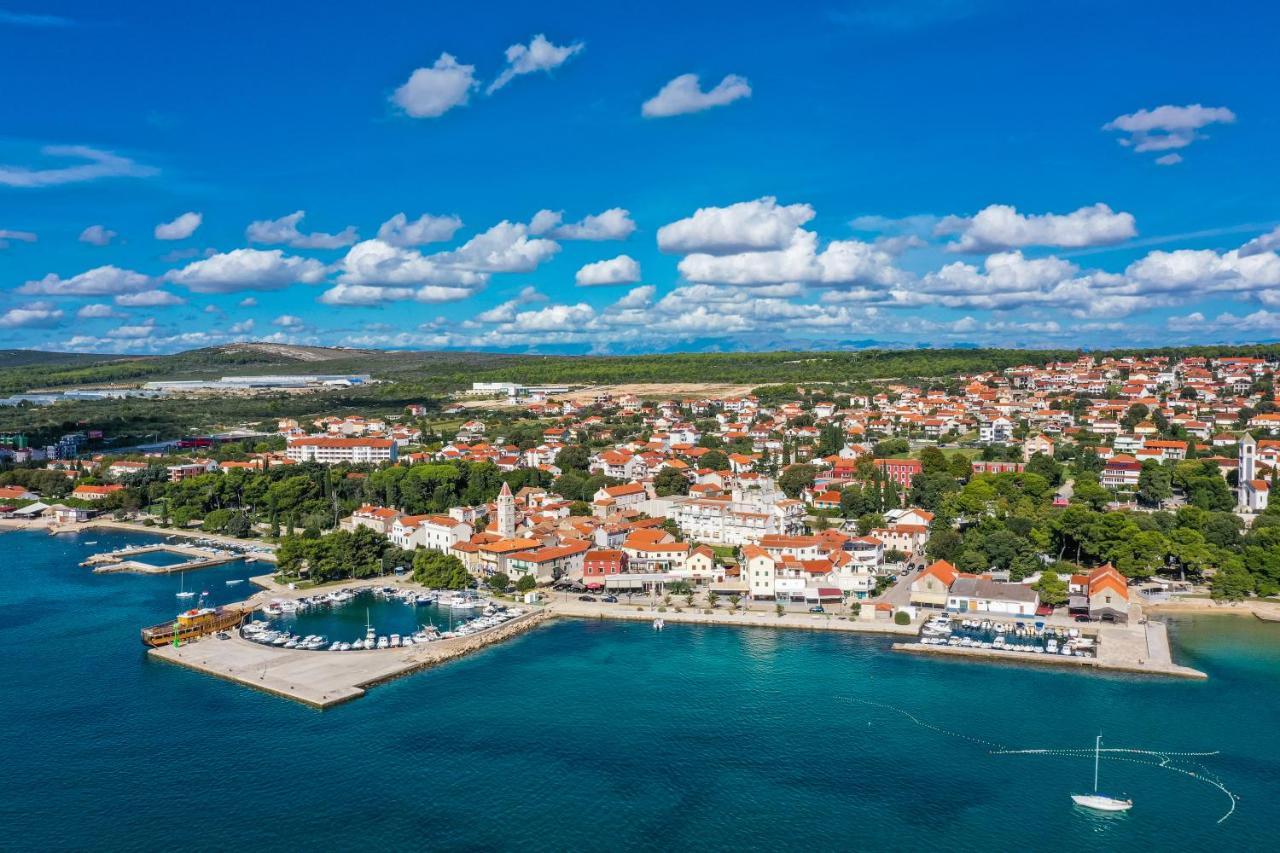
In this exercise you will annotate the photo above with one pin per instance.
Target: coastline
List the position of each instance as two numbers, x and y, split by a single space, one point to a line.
1267 611
262 549
750 618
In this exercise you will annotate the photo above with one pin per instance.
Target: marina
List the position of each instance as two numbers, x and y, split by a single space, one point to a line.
164 558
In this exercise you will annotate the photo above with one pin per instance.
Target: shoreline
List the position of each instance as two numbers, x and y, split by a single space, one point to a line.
262 549
1267 611
744 619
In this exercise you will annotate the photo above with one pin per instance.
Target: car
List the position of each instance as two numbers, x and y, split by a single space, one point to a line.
586 598
1083 618
817 608
612 599
223 635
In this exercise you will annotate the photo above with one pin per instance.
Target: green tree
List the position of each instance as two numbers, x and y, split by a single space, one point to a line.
498 581
1155 483
526 583
1052 588
438 570
1231 583
670 481
796 479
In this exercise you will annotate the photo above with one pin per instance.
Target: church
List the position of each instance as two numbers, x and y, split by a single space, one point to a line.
1253 492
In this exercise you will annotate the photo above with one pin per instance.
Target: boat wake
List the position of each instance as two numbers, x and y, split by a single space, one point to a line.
1163 759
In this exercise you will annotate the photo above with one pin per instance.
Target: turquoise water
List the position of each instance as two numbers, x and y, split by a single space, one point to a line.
598 736
388 616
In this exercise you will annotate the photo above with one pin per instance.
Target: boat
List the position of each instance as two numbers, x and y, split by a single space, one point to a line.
183 592
658 624
234 582
1096 801
190 624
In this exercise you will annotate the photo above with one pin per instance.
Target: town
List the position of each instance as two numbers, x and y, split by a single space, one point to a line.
1085 486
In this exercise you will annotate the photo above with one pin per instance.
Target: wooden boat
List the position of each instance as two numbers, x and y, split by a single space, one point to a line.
189 624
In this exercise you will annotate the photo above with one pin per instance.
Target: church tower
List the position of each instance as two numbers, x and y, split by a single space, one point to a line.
506 513
1246 471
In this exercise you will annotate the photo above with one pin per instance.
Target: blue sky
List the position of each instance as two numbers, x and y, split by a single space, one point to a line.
937 172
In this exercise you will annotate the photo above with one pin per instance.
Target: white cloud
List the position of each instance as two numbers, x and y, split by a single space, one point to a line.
399 231
285 230
1169 160
432 92
637 297
244 327
22 236
555 318
506 247
1001 226
34 314
842 262
505 312
248 302
101 164
747 226
1188 271
685 95
97 235
97 311
149 299
99 281
612 224
247 269
361 294
1269 242
134 332
375 263
288 321
181 228
539 55
1168 127
620 270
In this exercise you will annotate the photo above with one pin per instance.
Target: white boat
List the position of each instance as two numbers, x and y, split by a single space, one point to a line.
382 642
183 592
658 624
1096 801
234 582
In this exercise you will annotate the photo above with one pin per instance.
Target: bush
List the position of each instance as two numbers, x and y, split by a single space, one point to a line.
901 618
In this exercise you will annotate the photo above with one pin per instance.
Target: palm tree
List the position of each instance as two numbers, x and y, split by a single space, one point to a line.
712 599
734 601
688 598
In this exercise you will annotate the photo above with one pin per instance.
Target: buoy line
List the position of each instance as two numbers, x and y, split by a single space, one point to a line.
1167 759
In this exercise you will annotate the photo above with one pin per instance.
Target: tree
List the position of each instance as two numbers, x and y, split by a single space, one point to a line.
734 601
1231 582
499 581
1052 588
716 460
438 570
1046 467
670 481
1155 483
796 479
527 583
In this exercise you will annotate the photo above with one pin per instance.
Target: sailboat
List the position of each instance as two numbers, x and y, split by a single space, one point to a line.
1095 800
183 592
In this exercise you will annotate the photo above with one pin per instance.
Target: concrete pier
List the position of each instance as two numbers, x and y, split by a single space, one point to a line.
322 679
124 560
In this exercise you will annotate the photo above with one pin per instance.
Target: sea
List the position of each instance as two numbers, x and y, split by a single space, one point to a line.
597 735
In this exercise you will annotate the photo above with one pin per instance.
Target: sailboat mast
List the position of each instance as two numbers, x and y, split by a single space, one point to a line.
1097 751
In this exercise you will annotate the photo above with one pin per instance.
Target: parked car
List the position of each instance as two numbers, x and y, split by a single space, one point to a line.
1083 618
817 608
612 599
586 598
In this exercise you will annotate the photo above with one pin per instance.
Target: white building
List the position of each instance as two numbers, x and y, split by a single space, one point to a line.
1253 493
433 532
331 451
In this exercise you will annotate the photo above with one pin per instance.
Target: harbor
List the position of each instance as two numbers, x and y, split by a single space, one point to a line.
129 559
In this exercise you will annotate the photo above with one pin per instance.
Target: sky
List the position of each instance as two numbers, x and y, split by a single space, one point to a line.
592 178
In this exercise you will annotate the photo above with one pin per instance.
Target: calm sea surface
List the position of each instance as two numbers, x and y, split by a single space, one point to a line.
599 736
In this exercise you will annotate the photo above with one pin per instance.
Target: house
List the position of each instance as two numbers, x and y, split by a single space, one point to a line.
930 587
124 468
900 471
614 498
551 562
980 594
1121 470
95 493
433 532
758 566
1102 594
600 563
377 518
16 493
1037 444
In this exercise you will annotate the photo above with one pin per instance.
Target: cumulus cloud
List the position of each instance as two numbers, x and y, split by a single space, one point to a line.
432 92
244 327
97 235
99 281
149 299
612 224
375 263
248 302
684 94
1269 242
32 315
285 230
400 231
1187 271
368 295
637 297
288 321
1001 226
134 332
506 247
842 262
22 236
620 270
747 226
505 312
1168 127
100 164
539 55
247 269
97 311
181 228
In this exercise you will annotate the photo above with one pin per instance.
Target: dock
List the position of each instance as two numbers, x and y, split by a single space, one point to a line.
124 559
323 679
1135 648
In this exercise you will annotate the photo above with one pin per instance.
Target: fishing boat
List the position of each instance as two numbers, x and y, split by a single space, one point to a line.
191 624
1096 801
